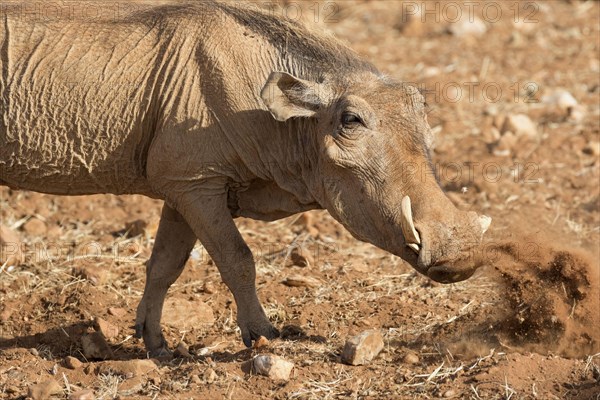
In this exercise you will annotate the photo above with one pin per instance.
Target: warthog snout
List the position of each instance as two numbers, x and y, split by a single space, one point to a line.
444 246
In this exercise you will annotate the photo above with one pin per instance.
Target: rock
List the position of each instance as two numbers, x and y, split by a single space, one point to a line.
301 257
117 312
86 394
131 386
272 366
35 227
592 148
182 351
505 145
10 247
196 379
44 390
561 99
54 232
209 288
261 342
106 328
210 375
520 125
468 27
5 314
361 349
577 113
133 371
181 313
301 281
130 368
97 276
411 358
95 347
136 228
72 362
449 394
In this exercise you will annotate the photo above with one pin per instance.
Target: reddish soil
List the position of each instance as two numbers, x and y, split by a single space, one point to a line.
525 326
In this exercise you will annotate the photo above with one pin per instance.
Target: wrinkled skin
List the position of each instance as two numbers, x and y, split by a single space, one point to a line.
206 107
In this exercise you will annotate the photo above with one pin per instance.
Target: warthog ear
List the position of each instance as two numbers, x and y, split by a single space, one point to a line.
287 96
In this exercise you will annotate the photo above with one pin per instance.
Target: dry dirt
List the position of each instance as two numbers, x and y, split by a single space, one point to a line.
525 326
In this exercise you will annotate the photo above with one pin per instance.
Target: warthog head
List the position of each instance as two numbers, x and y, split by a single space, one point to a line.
372 171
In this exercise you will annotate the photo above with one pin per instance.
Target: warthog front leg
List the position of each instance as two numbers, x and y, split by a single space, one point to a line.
211 220
174 242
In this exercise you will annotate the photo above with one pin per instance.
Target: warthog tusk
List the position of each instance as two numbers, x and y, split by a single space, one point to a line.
411 236
485 222
414 247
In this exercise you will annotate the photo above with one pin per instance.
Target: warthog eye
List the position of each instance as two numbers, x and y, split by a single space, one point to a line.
350 119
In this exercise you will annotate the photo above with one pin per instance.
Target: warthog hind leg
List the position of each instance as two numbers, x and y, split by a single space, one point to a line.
174 242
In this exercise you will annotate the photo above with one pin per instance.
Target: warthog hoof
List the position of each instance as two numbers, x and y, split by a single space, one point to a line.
254 330
155 348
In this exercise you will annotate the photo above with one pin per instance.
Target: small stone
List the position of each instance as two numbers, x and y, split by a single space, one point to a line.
361 349
35 227
140 367
130 368
182 314
95 347
86 394
520 125
505 145
261 342
411 358
10 247
301 257
301 281
272 366
592 148
449 394
106 328
155 380
97 276
131 386
196 379
44 390
209 288
210 375
117 312
136 228
54 232
5 314
577 113
468 27
72 362
561 99
182 351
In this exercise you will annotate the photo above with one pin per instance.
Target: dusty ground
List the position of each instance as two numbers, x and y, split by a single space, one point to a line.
525 326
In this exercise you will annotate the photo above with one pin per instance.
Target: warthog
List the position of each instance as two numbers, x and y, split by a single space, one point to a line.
223 111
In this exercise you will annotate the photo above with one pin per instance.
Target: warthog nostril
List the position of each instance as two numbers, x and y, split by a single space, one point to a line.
411 236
